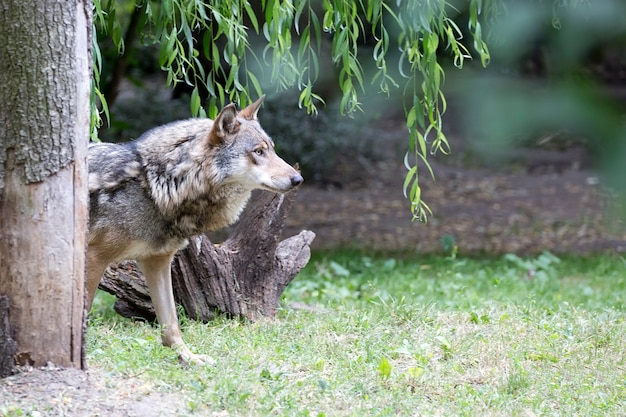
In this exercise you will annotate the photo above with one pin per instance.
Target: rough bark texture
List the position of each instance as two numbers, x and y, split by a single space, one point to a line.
7 344
244 277
44 129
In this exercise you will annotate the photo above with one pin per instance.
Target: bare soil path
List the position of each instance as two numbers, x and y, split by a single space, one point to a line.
58 392
542 200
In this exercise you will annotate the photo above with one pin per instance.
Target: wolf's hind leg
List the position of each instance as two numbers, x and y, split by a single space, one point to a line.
157 272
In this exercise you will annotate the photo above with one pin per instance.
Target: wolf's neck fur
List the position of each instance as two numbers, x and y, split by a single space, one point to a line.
209 212
193 193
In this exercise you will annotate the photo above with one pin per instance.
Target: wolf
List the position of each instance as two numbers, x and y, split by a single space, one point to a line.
148 196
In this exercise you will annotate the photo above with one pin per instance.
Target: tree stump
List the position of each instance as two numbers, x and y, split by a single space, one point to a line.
243 277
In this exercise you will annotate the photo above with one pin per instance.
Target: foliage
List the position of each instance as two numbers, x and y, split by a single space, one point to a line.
394 334
233 49
461 283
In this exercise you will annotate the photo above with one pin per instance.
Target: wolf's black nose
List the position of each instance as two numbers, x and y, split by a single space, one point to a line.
296 180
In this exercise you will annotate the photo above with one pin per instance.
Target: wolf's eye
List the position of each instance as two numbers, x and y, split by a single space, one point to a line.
259 152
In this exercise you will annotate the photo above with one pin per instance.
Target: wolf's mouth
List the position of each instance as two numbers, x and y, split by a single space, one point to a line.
276 189
284 186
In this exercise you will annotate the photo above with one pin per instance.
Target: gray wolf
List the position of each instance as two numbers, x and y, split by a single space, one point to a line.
148 196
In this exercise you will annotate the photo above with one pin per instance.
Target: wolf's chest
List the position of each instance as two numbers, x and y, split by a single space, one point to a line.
211 211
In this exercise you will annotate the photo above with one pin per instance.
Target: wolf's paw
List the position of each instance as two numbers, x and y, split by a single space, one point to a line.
197 360
187 357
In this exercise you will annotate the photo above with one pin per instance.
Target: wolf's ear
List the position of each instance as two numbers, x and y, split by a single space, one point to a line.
250 112
224 124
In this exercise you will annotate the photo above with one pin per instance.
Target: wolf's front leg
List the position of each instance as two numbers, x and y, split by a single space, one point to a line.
156 270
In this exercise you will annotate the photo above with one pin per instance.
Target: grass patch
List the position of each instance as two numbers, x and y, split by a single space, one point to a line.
396 335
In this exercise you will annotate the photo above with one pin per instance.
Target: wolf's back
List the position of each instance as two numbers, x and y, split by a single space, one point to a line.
110 165
118 202
141 189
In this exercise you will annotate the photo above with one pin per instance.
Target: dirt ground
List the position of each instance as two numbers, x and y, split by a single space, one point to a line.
539 200
52 391
542 200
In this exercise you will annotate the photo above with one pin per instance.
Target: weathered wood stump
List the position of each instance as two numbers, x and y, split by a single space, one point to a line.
243 277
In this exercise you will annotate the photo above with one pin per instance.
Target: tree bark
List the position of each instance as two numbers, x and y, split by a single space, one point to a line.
44 130
7 344
243 277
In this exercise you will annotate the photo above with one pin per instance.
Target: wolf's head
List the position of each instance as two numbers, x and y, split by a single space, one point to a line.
247 153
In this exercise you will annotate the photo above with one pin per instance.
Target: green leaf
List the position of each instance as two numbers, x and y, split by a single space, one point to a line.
317 32
305 42
104 104
252 17
187 34
215 54
195 102
304 96
269 10
255 83
338 269
416 372
416 193
384 368
167 7
117 37
300 6
410 176
411 117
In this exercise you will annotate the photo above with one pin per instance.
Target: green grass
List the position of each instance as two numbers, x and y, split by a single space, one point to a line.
402 336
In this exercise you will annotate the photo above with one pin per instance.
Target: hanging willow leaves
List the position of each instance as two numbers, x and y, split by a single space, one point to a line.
295 32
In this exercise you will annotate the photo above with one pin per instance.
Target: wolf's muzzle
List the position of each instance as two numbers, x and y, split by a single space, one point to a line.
296 180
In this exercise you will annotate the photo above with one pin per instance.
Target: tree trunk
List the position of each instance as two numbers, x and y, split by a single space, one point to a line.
243 277
44 130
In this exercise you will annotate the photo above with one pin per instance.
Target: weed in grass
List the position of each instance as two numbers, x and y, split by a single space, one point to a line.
516 382
384 368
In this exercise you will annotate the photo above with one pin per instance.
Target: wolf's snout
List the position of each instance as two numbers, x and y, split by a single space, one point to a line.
296 180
